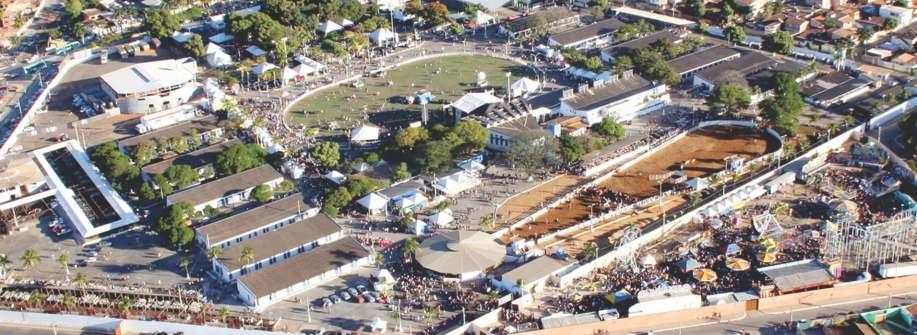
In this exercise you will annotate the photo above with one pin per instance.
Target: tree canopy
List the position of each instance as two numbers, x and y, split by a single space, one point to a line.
257 28
239 157
436 156
779 42
172 226
531 150
571 148
328 154
181 175
262 193
116 166
728 99
734 33
195 46
609 128
783 109
160 22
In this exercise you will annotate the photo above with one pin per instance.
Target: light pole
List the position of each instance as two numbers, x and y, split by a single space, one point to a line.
509 90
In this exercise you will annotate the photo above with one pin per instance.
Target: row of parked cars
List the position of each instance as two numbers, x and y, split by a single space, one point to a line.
358 294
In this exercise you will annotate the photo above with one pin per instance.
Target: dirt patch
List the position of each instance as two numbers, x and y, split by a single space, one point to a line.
529 201
701 151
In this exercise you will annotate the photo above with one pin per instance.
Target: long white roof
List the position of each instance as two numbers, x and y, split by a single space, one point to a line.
151 76
471 101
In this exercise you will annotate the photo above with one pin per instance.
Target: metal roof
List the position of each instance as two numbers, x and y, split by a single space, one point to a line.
151 76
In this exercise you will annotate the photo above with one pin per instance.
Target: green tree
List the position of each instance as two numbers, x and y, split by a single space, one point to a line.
779 42
5 262
407 138
327 154
359 186
335 200
240 157
437 13
81 280
195 46
224 314
697 8
571 148
181 176
726 12
728 99
472 135
908 125
531 150
783 109
178 144
73 9
145 153
831 23
456 29
865 33
284 187
147 192
435 156
734 33
890 24
214 253
247 256
64 260
410 248
116 166
164 184
30 258
160 22
172 226
653 66
609 128
400 172
262 193
593 63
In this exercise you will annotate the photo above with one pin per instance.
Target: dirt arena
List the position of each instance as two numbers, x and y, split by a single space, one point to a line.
704 150
527 202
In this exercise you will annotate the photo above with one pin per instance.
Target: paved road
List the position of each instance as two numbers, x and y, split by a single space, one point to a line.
36 330
757 322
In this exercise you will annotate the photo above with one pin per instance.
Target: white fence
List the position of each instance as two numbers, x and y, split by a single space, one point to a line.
91 324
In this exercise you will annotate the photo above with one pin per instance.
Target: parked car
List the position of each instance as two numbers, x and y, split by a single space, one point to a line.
344 295
352 291
362 289
326 302
335 298
369 297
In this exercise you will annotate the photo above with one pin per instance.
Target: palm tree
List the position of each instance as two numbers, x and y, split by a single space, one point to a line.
36 298
493 295
410 248
224 313
63 259
396 317
81 280
30 258
68 301
124 306
185 263
5 262
244 67
214 253
248 255
431 311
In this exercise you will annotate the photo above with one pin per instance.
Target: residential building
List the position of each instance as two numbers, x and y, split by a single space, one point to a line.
795 25
248 224
501 137
900 14
208 129
689 64
623 98
591 36
273 246
834 88
301 272
675 36
555 18
226 191
201 160
152 86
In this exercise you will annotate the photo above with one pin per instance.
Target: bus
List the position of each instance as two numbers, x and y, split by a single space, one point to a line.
66 48
34 67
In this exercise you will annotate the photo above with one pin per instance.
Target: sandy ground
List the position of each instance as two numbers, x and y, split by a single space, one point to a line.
702 152
530 200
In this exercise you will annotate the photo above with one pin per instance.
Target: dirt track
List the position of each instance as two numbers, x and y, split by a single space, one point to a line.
705 148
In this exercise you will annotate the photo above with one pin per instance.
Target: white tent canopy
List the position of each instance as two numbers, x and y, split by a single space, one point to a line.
471 101
309 62
456 183
219 59
442 219
373 202
289 74
213 47
482 18
221 38
336 177
328 27
262 68
524 86
364 133
381 35
462 253
182 37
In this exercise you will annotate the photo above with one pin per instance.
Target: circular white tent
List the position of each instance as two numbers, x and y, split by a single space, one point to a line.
462 254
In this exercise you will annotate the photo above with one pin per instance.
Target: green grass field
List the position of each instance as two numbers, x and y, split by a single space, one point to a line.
447 77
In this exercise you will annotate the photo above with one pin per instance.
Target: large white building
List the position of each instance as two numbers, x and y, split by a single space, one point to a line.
900 14
623 97
259 220
152 86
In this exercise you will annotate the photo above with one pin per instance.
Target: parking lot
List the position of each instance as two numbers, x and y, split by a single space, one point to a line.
134 258
346 315
61 114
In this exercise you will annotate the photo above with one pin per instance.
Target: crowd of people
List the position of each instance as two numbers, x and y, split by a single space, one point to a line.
608 199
